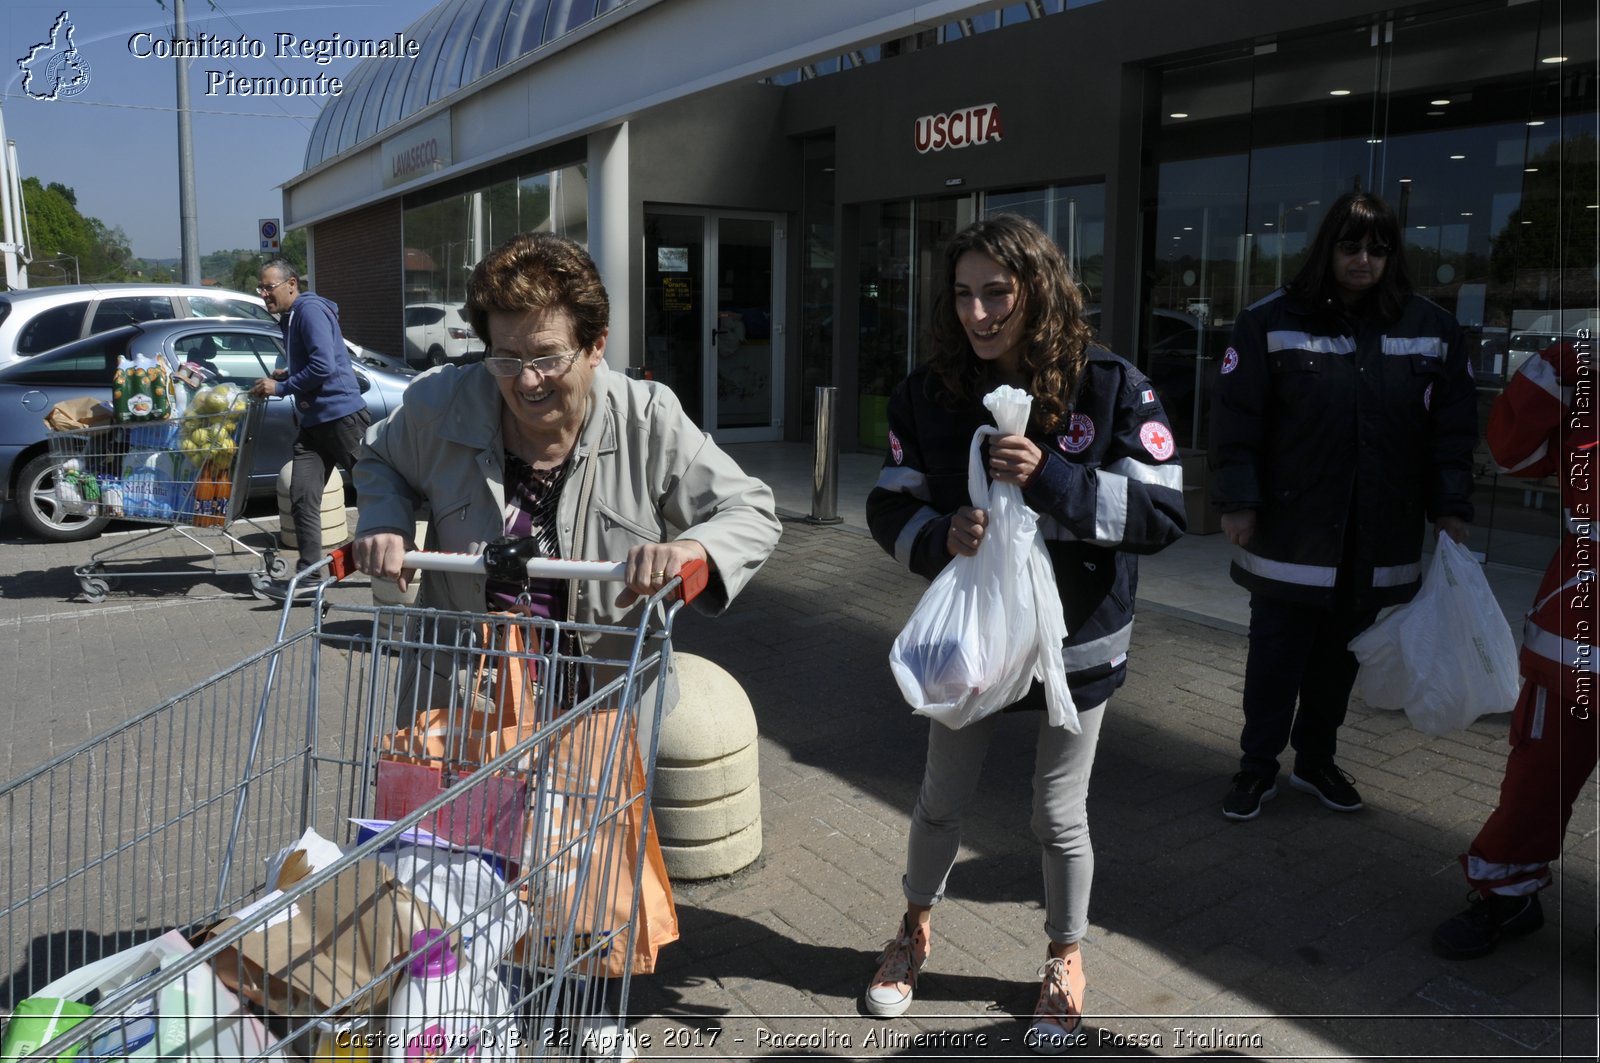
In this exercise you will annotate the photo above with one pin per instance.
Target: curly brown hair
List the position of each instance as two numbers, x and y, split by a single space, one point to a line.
1055 335
539 271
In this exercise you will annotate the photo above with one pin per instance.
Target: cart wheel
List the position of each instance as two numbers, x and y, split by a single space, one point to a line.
277 567
258 586
110 580
95 589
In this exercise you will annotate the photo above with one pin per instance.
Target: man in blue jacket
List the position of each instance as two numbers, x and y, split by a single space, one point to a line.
327 398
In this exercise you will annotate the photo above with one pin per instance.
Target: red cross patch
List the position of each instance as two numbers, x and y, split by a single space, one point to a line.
895 449
1157 439
1078 436
1230 360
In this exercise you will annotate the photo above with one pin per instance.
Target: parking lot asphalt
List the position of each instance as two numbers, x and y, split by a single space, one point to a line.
1302 934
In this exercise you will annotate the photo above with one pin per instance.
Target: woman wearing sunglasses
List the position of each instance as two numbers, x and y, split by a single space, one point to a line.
542 440
1344 415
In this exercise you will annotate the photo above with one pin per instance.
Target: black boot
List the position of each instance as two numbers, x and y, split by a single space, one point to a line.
1476 931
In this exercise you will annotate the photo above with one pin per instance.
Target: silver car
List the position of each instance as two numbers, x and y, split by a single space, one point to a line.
37 319
237 351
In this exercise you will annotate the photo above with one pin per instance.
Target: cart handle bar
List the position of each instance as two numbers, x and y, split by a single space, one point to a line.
693 576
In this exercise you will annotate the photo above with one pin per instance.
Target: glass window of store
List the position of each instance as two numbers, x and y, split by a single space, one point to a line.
902 258
444 240
1476 124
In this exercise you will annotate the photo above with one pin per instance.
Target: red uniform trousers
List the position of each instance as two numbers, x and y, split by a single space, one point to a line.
1553 753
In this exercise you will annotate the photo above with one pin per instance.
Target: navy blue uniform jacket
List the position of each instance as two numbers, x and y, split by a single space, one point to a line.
1111 487
1342 434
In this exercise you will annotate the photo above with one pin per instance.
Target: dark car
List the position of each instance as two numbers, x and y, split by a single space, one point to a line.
237 351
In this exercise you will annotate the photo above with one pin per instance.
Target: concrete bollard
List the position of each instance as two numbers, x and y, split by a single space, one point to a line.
708 787
335 528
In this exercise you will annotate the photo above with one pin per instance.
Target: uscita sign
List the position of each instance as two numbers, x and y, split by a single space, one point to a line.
958 129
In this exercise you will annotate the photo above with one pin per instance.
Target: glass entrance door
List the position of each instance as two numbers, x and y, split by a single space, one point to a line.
713 318
674 305
744 344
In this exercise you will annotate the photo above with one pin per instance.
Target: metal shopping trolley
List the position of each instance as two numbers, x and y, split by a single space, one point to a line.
190 476
526 862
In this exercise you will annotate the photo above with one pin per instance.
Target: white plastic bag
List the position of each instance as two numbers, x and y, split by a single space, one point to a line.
192 1018
988 625
1447 656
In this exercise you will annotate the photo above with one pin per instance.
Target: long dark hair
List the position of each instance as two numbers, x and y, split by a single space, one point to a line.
1054 334
1356 216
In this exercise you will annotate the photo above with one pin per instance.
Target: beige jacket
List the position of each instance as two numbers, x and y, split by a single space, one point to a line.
657 477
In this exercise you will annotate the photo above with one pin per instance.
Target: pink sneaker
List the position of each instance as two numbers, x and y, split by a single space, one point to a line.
890 992
1058 1017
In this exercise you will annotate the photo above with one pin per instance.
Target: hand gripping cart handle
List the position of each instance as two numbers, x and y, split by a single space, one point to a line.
510 558
506 558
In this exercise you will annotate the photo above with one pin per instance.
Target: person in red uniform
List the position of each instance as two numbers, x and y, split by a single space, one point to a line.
1542 424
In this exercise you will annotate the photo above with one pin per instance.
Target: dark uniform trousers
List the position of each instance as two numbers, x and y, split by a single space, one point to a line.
1298 652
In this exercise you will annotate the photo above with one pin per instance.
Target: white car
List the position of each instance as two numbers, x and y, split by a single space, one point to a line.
437 333
40 319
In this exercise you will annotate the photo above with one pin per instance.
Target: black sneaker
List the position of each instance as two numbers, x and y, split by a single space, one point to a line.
1249 790
1476 931
1330 783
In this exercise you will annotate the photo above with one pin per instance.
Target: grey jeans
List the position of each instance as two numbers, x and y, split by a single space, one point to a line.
1062 763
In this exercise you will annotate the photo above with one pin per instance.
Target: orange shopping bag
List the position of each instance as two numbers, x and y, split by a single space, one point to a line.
582 851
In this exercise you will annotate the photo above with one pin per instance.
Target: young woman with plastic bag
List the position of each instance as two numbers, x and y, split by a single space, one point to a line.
1098 465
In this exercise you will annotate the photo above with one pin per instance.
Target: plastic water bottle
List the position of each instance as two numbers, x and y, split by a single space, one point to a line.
442 1007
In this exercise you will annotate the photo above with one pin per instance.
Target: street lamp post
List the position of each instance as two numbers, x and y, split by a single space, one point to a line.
77 276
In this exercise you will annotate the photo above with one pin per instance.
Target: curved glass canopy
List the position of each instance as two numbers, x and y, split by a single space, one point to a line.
462 41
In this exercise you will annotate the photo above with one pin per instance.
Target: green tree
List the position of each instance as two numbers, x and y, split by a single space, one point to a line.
1553 229
245 268
59 233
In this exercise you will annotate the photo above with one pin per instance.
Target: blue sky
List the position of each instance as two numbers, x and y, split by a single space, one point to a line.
115 142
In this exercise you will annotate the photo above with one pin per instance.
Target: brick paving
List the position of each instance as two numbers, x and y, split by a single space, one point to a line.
1303 934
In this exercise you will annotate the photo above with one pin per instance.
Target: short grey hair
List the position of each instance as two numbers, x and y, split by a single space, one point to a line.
284 267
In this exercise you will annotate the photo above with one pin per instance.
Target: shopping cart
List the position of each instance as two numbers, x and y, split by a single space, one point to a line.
169 822
191 477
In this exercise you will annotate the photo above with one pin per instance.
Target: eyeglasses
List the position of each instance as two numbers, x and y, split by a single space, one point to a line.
272 287
1355 247
550 365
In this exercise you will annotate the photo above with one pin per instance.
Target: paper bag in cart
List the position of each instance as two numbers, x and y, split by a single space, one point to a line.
82 412
333 942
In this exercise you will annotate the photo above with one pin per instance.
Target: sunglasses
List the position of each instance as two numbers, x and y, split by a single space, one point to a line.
1355 247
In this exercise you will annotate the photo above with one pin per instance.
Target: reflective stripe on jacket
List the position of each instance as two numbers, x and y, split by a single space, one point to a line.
1320 420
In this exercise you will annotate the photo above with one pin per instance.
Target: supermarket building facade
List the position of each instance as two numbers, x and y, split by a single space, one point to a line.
767 186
